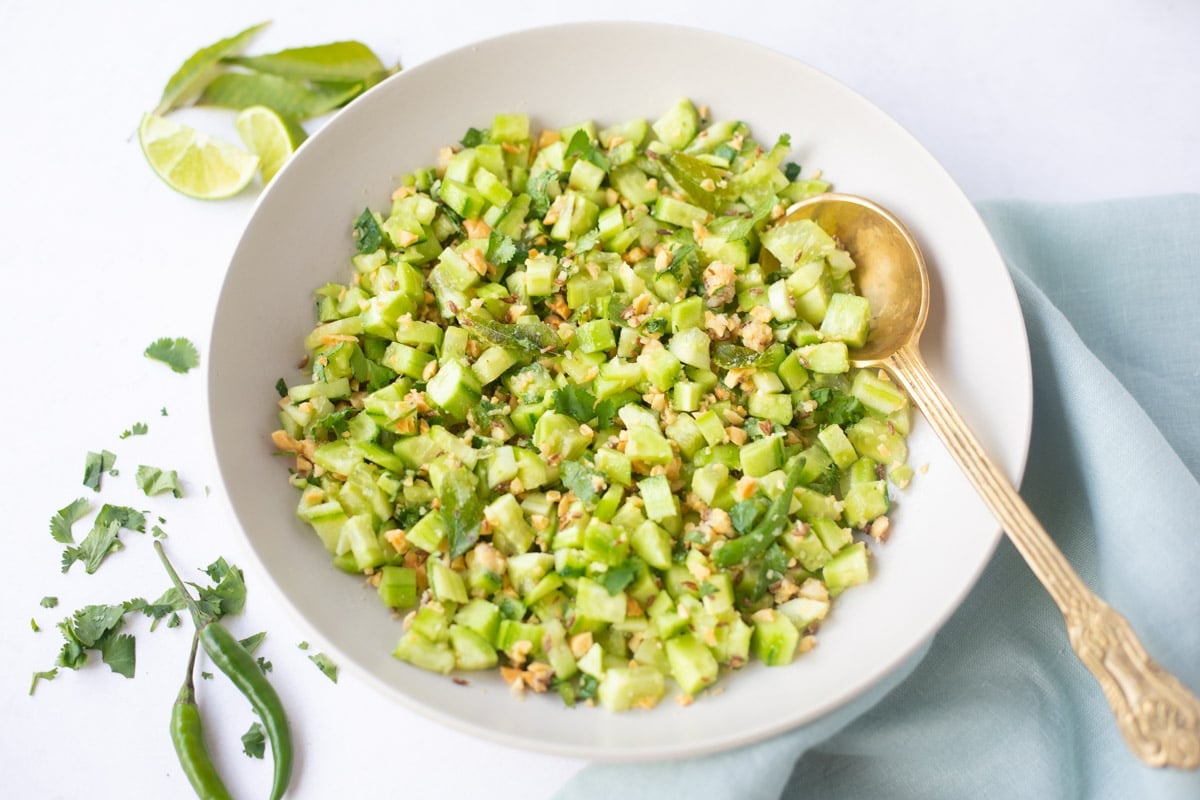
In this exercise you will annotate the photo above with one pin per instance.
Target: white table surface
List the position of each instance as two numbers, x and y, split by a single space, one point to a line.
1050 101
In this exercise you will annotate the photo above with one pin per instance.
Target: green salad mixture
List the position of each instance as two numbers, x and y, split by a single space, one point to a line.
584 410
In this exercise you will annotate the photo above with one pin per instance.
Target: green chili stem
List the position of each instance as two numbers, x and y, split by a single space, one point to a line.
197 617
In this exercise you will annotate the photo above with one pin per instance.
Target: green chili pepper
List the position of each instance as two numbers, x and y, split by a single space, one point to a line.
755 543
228 654
188 737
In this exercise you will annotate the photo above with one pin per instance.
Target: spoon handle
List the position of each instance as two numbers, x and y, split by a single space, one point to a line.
1158 716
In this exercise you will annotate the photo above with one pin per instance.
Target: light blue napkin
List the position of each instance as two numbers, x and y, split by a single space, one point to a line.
999 706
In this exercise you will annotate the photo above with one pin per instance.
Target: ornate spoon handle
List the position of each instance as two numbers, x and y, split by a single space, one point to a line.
1158 716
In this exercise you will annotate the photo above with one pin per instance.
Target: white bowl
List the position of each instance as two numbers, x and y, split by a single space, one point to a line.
299 238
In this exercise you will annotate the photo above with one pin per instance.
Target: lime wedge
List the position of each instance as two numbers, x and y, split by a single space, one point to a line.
270 136
193 163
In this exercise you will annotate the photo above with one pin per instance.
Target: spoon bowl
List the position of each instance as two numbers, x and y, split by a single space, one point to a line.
1158 716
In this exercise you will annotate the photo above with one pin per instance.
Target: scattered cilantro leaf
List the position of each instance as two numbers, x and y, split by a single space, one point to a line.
828 480
153 480
302 646
791 171
128 518
742 228
264 665
336 423
326 665
501 250
744 515
606 411
581 145
474 137
206 676
119 652
229 594
254 741
281 387
163 411
587 241
64 518
33 624
367 235
137 429
836 408
93 623
95 465
539 191
577 403
178 354
48 675
462 512
95 547
578 477
251 643
618 577
73 654
158 532
49 602
707 588
654 325
168 603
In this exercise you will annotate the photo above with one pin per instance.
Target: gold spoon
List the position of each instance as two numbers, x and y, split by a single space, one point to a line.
1157 715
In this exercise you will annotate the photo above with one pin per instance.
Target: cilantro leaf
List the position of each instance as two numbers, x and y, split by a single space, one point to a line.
153 480
474 137
577 403
73 654
48 675
178 354
707 588
251 643
120 654
578 477
49 602
828 480
606 411
95 465
836 408
501 250
745 225
254 741
264 666
618 577
229 594
587 687
539 191
281 387
654 325
326 665
64 518
791 171
128 518
587 241
95 547
744 515
91 624
581 146
33 624
168 603
367 235
137 429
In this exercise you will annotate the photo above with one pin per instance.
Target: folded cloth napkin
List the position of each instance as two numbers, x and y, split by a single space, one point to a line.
998 705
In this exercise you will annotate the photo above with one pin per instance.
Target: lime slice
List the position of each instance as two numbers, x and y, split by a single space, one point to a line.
193 163
270 136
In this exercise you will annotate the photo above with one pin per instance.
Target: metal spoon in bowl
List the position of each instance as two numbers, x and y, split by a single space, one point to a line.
1158 716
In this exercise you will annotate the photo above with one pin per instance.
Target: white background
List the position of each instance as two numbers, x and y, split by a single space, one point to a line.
1025 98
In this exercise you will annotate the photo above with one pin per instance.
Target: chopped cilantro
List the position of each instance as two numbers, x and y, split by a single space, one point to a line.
618 577
264 665
836 408
501 250
33 624
326 665
580 479
158 532
281 387
587 688
229 594
302 646
367 235
587 241
581 145
744 515
163 411
606 410
206 676
707 588
95 547
137 429
577 403
828 480
64 518
49 602
48 675
95 465
538 188
791 170
254 741
654 325
178 354
120 654
153 480
474 137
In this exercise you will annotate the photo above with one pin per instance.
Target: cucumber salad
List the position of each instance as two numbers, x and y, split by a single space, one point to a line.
584 412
